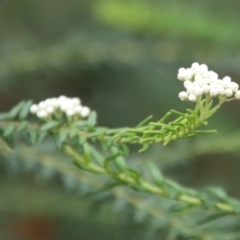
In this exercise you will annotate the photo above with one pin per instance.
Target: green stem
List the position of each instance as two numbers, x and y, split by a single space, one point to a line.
145 186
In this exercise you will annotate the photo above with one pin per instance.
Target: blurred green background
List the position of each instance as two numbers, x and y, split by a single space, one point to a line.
121 58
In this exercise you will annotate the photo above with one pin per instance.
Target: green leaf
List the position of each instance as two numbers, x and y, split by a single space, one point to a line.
26 138
144 148
25 110
106 143
16 110
92 119
204 132
33 135
9 130
106 187
74 131
155 172
82 140
178 113
22 126
108 161
49 125
146 120
63 136
165 117
4 116
120 162
132 173
125 149
218 192
42 136
212 217
58 143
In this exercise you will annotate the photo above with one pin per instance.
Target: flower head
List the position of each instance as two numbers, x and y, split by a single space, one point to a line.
199 81
58 107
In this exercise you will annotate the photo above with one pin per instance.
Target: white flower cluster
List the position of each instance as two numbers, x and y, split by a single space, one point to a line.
58 107
198 80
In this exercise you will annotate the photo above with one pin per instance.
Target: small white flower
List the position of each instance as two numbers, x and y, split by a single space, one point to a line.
213 92
76 101
198 78
206 88
70 112
188 74
42 114
221 90
205 73
203 68
237 95
183 96
213 75
85 111
181 70
66 105
187 83
34 108
234 86
228 92
198 91
195 66
42 105
190 89
50 109
181 76
192 98
78 109
226 80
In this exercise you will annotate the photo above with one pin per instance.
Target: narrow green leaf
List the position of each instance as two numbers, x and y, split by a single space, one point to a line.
57 142
108 161
74 131
165 117
97 156
179 207
204 132
49 125
42 136
106 187
134 174
22 126
212 217
82 140
106 143
9 130
120 162
155 172
62 136
26 137
4 116
178 113
33 135
16 110
146 120
92 119
25 110
144 148
218 192
125 149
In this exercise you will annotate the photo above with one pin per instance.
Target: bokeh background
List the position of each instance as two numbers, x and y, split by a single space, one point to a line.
121 58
